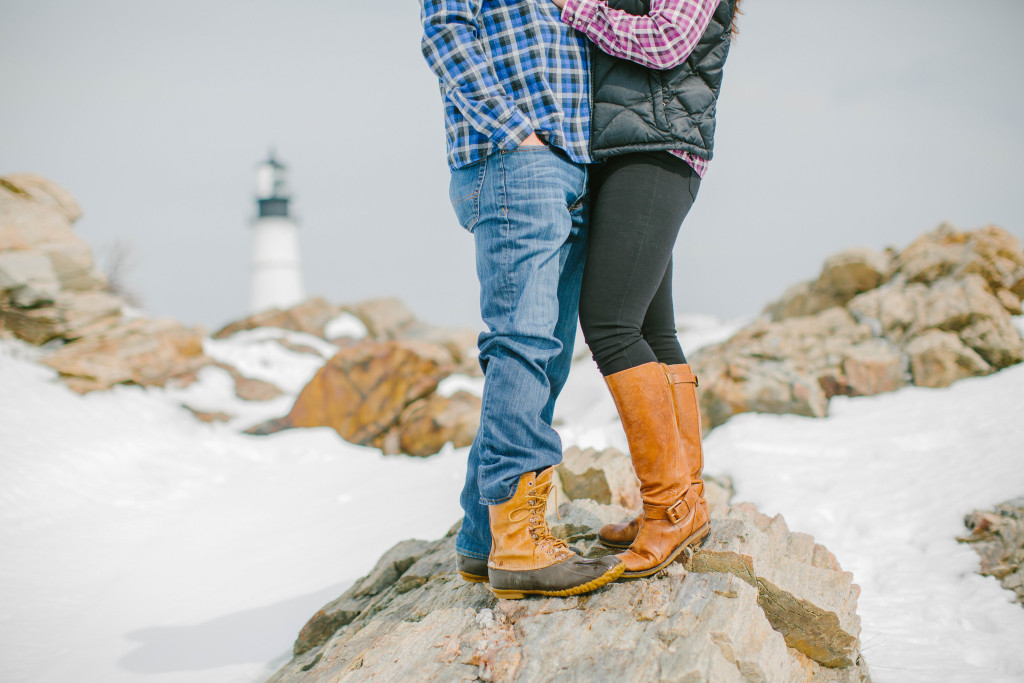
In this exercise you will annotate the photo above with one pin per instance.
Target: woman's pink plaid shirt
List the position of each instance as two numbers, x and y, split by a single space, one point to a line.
661 39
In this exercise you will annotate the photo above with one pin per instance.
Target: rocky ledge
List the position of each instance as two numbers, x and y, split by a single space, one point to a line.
757 602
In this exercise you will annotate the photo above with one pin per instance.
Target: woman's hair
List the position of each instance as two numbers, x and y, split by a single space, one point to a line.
735 12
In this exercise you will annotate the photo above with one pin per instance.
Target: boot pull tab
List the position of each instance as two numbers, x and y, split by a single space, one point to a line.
683 377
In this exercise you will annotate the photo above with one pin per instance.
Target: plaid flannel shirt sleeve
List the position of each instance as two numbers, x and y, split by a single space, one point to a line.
455 54
661 39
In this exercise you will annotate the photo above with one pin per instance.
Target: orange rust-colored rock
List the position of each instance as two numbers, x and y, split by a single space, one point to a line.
363 389
429 423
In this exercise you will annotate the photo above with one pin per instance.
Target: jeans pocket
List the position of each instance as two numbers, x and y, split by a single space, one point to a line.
464 193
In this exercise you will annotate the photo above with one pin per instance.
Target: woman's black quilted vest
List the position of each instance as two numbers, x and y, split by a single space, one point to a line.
637 109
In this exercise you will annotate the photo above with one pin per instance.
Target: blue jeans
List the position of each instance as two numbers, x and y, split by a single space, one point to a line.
527 213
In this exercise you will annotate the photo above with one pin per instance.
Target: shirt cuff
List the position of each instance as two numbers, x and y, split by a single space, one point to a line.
512 131
580 13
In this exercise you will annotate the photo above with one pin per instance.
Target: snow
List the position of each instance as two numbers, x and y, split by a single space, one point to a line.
142 545
345 325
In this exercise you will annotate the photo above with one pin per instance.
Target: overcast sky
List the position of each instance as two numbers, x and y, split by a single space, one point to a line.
864 122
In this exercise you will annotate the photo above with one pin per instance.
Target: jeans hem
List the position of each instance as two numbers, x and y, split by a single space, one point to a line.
471 553
497 501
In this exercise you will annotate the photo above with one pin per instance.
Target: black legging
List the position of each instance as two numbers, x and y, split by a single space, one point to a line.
639 202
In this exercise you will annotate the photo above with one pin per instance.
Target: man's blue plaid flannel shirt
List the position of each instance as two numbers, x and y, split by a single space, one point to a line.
507 68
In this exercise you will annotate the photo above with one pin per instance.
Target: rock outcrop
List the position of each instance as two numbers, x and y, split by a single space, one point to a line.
756 602
998 538
51 293
872 322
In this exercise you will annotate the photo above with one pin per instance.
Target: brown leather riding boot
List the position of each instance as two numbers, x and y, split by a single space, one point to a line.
687 409
526 559
684 390
672 520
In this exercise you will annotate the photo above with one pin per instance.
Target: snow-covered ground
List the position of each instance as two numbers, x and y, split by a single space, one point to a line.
141 545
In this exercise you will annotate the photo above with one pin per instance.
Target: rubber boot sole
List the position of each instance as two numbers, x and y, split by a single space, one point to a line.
473 578
696 539
606 578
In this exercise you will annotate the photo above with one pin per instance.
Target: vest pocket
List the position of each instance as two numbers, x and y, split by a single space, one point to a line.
659 100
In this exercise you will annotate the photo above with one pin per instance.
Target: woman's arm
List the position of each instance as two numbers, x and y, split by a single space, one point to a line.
661 39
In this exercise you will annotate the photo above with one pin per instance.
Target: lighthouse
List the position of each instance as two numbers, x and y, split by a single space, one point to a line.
276 276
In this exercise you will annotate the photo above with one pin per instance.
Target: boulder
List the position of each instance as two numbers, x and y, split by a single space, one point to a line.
384 318
429 423
34 211
873 367
426 624
27 278
843 276
998 538
1010 301
937 359
363 390
990 252
311 316
73 266
777 367
148 352
604 476
85 313
892 310
33 325
718 492
966 306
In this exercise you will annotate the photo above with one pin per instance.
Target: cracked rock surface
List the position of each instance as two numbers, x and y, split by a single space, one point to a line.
755 603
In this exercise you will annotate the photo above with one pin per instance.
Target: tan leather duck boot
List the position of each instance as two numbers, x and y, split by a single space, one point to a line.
526 559
687 409
671 520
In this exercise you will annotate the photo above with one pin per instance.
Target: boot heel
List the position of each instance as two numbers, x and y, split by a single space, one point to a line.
508 594
473 578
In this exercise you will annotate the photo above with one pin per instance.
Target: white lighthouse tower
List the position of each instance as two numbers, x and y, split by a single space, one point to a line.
276 280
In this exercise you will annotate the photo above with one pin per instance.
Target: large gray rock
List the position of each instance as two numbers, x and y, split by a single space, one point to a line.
426 624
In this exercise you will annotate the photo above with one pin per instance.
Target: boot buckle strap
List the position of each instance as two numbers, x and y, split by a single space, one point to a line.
672 513
674 516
